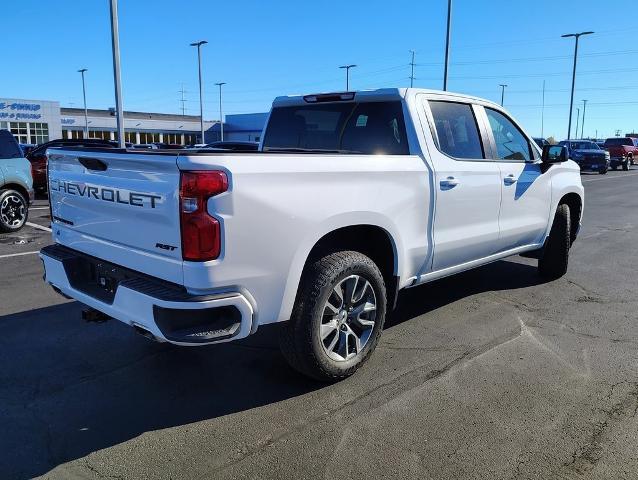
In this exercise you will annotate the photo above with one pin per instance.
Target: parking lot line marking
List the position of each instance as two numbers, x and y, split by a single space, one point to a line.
38 208
39 227
8 255
609 178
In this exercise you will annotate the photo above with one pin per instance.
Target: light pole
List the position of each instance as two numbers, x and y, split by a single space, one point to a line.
577 119
412 72
543 113
201 98
221 118
571 101
86 113
117 77
347 68
502 85
447 43
582 125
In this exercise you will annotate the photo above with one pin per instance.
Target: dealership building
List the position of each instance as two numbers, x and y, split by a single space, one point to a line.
38 121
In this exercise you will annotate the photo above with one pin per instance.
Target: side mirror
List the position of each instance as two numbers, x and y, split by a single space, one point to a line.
554 154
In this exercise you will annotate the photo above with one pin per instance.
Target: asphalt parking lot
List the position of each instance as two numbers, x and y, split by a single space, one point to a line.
488 374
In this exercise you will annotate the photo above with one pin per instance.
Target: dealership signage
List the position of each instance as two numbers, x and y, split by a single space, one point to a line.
20 111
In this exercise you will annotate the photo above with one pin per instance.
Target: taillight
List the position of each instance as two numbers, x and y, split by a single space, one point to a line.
201 233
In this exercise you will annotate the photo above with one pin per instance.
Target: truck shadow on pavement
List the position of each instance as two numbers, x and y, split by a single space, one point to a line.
68 389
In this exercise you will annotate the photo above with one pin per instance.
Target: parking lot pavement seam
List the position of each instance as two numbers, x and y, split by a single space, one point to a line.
397 386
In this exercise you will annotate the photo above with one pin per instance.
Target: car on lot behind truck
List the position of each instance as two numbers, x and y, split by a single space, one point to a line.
622 150
351 197
588 155
16 184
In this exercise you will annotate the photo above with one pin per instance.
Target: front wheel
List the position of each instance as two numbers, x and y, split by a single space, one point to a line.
14 211
625 165
337 318
555 257
602 171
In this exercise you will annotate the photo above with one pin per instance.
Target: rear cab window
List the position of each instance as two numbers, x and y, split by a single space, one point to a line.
350 128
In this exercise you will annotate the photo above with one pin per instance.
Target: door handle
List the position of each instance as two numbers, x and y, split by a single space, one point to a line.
449 182
509 180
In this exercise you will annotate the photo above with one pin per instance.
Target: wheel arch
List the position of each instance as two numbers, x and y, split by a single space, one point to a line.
18 188
575 203
370 239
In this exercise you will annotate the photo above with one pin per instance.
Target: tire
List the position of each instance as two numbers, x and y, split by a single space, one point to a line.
625 165
14 211
631 161
320 339
602 171
555 258
614 168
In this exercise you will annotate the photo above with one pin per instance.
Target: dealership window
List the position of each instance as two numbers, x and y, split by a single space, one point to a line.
39 132
129 137
101 134
190 139
148 137
77 134
173 138
4 126
19 131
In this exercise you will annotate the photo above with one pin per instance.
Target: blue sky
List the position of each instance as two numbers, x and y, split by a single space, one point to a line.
267 48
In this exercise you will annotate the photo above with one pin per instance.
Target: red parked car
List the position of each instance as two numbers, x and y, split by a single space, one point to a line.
622 150
38 157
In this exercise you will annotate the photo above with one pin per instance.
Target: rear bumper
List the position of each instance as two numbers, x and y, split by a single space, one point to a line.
163 309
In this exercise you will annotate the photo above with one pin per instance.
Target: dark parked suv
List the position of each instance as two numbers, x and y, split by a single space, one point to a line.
587 155
38 157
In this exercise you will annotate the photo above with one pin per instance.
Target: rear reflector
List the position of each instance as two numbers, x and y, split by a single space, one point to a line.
201 233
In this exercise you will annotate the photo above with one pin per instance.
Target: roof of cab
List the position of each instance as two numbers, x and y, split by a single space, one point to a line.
380 94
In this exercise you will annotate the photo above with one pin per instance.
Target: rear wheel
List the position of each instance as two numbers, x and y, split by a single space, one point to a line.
555 258
625 164
338 317
14 211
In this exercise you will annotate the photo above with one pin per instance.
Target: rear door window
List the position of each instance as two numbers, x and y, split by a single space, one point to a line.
456 129
9 147
366 127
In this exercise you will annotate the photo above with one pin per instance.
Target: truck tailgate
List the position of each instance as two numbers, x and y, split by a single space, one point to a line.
121 206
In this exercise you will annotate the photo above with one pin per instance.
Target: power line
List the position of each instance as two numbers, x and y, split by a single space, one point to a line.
183 100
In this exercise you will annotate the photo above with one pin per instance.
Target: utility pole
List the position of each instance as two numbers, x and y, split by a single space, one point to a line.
571 101
502 85
412 70
201 97
221 117
582 125
577 119
115 42
543 112
86 113
183 100
447 43
347 68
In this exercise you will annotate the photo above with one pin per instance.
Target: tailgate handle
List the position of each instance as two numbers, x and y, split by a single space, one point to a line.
93 163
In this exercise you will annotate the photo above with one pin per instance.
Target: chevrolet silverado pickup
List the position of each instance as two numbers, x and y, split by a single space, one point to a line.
351 197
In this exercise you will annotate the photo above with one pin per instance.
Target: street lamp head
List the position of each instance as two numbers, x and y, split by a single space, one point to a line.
576 34
198 44
219 84
82 70
348 66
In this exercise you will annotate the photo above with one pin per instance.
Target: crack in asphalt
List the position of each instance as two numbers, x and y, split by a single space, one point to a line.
586 456
86 464
397 386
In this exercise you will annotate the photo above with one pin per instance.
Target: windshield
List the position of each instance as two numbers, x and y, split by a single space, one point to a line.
368 128
584 146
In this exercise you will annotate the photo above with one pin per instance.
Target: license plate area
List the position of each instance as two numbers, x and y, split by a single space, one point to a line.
96 278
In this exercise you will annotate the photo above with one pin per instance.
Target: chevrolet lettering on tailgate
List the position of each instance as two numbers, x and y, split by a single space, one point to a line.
114 195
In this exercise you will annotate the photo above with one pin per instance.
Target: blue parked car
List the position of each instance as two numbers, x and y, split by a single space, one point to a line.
587 155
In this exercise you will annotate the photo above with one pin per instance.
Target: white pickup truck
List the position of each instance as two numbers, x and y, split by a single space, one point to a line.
351 197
